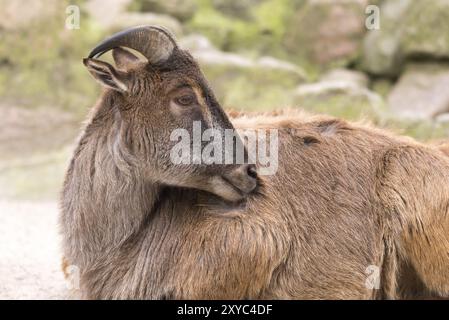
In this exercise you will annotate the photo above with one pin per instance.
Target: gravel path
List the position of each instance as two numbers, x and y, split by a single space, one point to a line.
30 266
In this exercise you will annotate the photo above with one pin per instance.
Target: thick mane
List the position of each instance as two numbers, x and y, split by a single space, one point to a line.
351 211
268 214
443 146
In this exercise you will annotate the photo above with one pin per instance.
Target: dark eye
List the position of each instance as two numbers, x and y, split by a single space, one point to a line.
185 100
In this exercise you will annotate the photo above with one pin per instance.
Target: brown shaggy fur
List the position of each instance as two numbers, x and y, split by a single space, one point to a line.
444 147
356 197
345 197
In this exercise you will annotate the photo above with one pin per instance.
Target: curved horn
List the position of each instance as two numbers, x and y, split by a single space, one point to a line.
154 42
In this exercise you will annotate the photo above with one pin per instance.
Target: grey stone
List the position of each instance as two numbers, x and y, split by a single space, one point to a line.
422 92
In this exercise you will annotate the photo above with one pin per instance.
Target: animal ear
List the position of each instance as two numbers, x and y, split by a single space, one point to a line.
123 58
106 75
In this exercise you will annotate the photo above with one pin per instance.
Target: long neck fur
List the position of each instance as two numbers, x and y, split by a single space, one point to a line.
105 199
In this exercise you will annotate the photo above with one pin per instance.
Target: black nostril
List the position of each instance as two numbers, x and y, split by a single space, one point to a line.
252 172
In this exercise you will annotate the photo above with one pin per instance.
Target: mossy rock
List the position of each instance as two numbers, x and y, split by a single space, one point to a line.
41 65
421 92
180 9
422 130
245 82
252 87
340 100
325 33
254 25
426 29
236 8
382 87
409 30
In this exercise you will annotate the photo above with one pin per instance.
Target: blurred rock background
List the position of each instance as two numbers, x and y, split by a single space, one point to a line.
258 55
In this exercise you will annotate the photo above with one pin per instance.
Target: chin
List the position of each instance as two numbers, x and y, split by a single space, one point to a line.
225 190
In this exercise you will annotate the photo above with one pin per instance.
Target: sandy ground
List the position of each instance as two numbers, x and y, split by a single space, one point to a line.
33 156
30 252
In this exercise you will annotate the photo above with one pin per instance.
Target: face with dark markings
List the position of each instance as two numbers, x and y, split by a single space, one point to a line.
154 100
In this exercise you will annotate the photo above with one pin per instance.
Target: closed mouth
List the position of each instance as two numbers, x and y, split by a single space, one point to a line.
233 186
